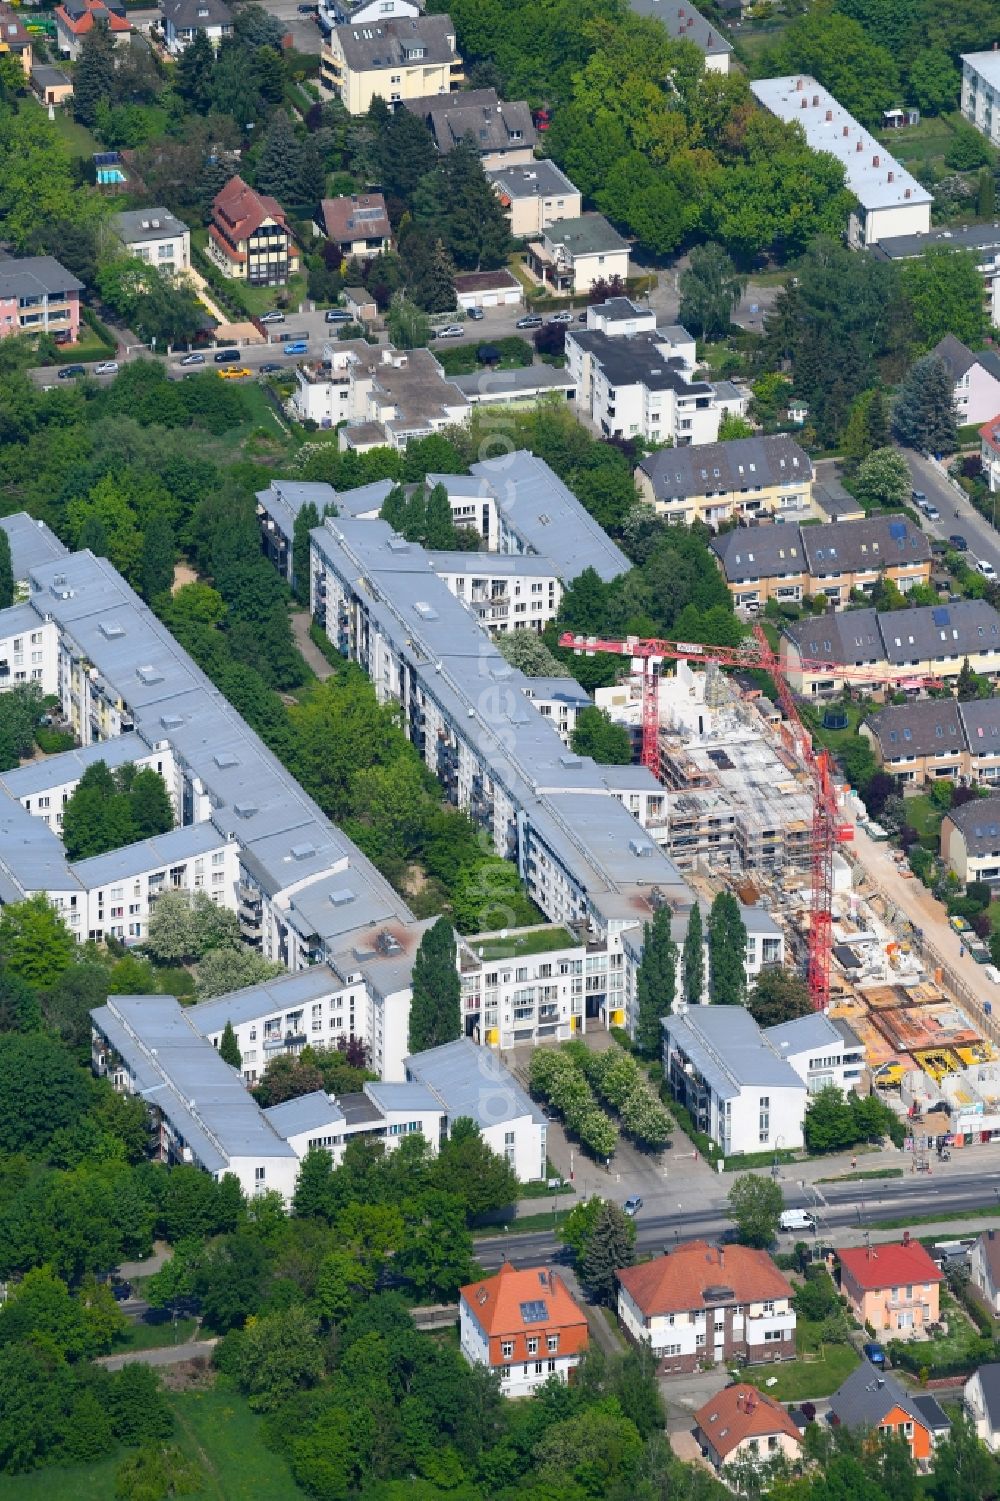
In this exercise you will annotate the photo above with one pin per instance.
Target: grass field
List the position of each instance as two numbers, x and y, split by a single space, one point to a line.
154 1335
537 941
817 1372
915 144
215 1428
926 818
77 137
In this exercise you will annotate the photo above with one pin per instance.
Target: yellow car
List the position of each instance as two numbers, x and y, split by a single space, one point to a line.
235 372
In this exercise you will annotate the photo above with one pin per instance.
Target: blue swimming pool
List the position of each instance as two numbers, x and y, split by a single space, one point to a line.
109 174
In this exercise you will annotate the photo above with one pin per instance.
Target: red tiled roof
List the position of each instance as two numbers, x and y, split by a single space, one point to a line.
243 210
990 432
889 1266
500 1304
742 1412
81 24
677 1283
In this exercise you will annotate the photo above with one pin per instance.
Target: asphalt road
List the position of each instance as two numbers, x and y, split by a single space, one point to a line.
306 35
958 515
838 1207
166 1355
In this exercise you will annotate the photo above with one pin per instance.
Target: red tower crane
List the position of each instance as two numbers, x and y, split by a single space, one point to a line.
828 828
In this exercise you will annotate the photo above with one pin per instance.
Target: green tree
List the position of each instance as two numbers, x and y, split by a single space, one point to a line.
306 520
475 226
935 82
778 995
192 72
408 325
867 428
610 1247
883 480
828 1125
524 649
755 1206
861 75
656 982
229 1048
93 76
6 572
221 970
20 713
964 1469
596 734
693 958
986 197
158 553
944 288
578 1227
436 1256
435 1011
19 1008
279 1356
160 1473
710 288
923 414
439 530
470 1170
42 1090
727 949
35 943
733 427
149 803
279 166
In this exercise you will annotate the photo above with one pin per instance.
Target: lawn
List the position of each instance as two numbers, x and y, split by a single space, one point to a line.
944 1349
158 1331
925 817
77 137
215 1428
818 1370
914 145
836 740
517 945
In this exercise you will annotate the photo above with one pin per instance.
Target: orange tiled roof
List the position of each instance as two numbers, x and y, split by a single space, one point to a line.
520 1305
990 432
243 210
742 1412
889 1266
677 1283
80 23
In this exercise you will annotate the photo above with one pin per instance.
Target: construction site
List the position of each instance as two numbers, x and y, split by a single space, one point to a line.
739 813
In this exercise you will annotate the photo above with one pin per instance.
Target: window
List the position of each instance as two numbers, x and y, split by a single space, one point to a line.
552 1366
532 1346
539 1367
507 1349
553 1343
258 1175
769 1307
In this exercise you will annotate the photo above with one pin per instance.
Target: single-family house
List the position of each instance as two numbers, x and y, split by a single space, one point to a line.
984 1268
981 1400
970 841
575 253
395 59
744 478
501 130
183 20
741 1423
534 195
976 379
156 236
75 18
249 238
893 1288
989 453
358 224
39 296
15 38
873 1402
525 1326
708 1303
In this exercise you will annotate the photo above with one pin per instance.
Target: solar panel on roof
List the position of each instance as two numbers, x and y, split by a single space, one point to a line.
940 615
897 530
535 1312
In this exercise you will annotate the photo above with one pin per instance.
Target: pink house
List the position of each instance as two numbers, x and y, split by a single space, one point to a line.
976 379
38 296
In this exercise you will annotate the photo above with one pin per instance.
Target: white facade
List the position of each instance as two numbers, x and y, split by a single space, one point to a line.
382 396
504 593
519 1379
981 93
981 1400
29 650
819 1052
163 242
692 1335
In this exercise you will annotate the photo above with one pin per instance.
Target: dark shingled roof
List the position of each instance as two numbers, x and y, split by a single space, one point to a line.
959 360
711 468
875 543
979 824
924 728
759 552
386 44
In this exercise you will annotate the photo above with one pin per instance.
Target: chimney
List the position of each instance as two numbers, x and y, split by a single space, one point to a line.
906 1237
829 114
891 177
815 101
875 161
798 85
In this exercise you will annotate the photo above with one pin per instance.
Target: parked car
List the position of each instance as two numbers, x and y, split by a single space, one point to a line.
70 372
235 372
297 346
632 1206
931 512
227 356
958 542
106 367
797 1219
874 1353
338 315
563 317
306 10
986 568
919 498
193 359
451 331
121 1291
271 368
531 320
475 313
274 316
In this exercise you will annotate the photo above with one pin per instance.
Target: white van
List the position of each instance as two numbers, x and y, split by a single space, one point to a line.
986 568
797 1219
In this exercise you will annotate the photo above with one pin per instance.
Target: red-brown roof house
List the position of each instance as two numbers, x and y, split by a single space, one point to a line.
523 1324
894 1288
742 1423
708 1303
249 237
75 18
358 224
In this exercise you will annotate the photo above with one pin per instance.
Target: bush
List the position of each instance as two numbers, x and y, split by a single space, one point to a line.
53 742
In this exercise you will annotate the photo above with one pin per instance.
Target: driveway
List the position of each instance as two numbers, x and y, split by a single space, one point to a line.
198 1349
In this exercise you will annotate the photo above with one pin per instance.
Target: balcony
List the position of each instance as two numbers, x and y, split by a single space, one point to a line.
290 1042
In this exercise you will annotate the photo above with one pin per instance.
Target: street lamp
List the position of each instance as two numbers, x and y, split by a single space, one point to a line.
778 1143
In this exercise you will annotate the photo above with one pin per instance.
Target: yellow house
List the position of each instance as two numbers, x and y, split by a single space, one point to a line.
745 478
400 58
893 1288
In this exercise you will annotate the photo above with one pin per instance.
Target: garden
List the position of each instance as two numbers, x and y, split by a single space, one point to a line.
825 1354
584 1086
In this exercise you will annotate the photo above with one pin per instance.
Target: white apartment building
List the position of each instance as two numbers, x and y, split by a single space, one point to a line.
823 1050
503 591
981 92
634 380
155 236
29 649
44 787
890 201
377 396
32 543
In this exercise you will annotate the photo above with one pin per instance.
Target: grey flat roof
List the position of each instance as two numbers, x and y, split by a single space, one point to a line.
285 993
559 690
958 237
405 1095
874 176
283 500
492 564
31 542
31 855
17 619
639 359
133 226
163 849
546 515
181 1073
309 1112
816 1031
69 766
537 179
527 380
471 1081
366 500
729 1050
